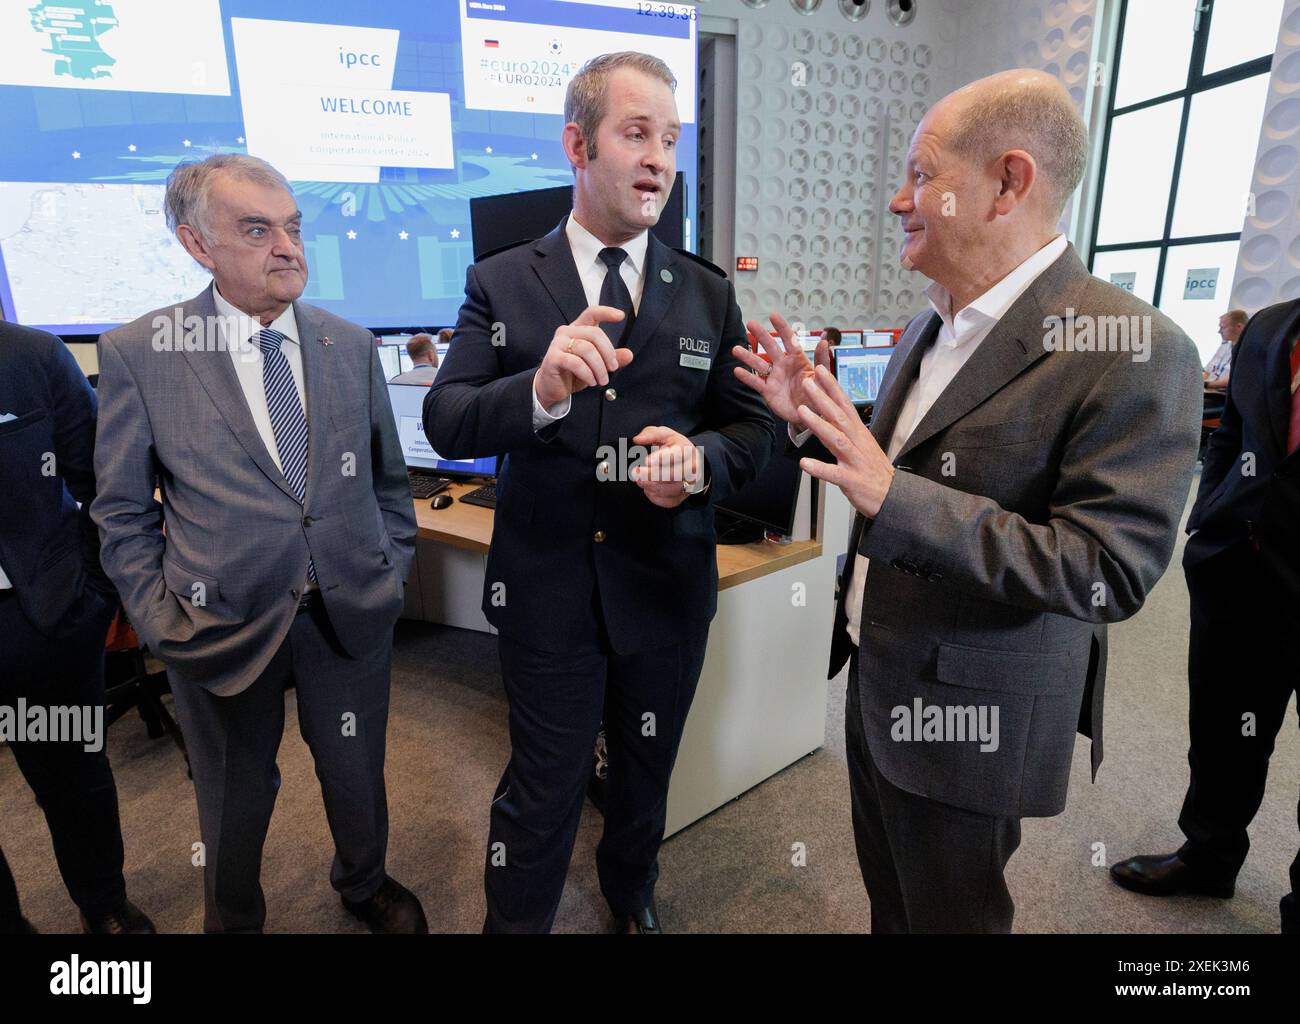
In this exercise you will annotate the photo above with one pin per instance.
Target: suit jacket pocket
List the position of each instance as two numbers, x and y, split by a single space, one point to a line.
196 589
24 421
995 435
1031 673
61 603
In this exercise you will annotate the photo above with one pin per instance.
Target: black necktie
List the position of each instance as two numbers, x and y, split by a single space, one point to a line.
613 292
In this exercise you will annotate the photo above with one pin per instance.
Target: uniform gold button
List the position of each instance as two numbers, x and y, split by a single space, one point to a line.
610 394
600 536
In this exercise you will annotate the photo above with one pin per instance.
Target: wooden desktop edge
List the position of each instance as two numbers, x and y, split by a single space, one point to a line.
469 527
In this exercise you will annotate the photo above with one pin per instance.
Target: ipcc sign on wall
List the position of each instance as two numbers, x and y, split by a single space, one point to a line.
1201 283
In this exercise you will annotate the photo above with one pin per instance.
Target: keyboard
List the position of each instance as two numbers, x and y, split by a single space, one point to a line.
424 486
486 496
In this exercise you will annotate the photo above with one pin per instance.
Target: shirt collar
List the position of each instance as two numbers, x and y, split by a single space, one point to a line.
286 323
586 246
992 306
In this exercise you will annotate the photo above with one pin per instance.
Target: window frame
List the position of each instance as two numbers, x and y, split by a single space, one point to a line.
1197 82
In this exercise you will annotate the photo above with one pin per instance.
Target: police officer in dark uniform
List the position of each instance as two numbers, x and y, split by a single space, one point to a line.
597 359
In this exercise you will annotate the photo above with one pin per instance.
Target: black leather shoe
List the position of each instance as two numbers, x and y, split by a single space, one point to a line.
128 919
1290 909
644 922
392 910
1166 876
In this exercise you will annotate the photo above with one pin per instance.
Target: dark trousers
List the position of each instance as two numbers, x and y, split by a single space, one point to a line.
73 786
232 741
557 702
928 867
1237 666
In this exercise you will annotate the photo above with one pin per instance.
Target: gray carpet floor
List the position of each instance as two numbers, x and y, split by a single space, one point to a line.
731 871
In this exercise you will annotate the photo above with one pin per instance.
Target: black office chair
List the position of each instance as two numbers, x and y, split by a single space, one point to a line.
1211 416
130 685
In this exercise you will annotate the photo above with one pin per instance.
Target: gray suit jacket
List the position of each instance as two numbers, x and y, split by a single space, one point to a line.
1035 502
214 595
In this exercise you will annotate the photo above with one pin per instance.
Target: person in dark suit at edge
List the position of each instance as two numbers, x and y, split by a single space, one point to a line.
55 606
1242 563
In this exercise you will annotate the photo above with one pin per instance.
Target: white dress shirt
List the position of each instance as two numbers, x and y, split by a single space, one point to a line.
246 354
956 342
591 270
1220 362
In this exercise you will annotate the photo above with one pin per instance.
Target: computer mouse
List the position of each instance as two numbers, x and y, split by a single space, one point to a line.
440 501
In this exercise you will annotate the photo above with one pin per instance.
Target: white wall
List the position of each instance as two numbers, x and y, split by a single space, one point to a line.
817 164
1268 262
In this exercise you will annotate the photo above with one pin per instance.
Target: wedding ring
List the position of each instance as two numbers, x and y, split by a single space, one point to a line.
572 342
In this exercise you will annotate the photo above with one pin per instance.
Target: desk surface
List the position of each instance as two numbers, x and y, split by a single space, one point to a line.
470 527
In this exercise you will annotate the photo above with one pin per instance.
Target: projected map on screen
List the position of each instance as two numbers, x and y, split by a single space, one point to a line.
387 116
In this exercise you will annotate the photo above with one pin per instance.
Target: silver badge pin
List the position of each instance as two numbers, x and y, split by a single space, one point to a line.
666 276
324 340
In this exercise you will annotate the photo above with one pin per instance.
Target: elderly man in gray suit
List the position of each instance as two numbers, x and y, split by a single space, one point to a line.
1020 487
279 551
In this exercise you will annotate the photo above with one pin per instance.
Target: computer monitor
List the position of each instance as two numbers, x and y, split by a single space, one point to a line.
392 352
394 357
501 220
860 371
408 411
390 359
768 500
850 338
808 341
877 339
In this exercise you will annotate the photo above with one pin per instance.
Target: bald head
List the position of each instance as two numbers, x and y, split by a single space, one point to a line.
988 171
1020 109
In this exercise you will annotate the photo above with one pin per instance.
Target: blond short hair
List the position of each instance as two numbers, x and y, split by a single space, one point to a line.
420 347
585 101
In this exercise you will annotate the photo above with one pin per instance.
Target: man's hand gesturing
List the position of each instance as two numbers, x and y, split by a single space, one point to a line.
781 382
580 356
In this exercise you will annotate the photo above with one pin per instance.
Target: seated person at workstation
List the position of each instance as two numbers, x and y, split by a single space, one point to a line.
1231 324
424 357
1216 371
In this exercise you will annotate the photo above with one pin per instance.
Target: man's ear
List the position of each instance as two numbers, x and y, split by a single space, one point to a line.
575 144
1019 174
195 245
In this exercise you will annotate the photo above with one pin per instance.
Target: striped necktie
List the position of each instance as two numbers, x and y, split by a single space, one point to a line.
288 421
